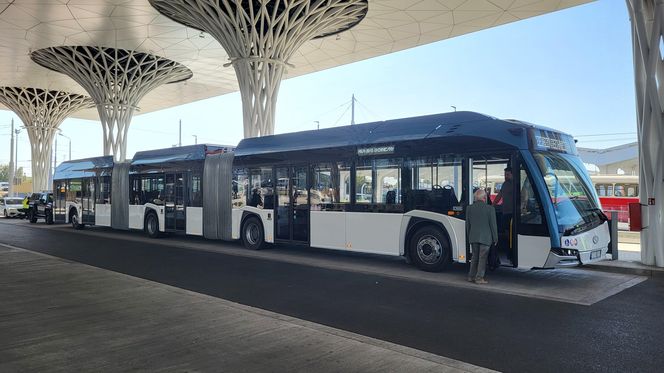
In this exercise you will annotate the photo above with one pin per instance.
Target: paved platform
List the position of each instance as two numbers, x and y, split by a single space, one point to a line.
570 285
61 316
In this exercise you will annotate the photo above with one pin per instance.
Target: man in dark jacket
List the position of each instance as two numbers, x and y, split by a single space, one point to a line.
481 232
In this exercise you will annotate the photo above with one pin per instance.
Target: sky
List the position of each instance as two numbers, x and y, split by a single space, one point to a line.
571 70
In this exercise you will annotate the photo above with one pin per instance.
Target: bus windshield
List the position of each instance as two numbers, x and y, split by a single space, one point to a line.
576 207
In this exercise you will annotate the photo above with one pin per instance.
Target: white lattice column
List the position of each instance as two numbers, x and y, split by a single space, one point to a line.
42 111
647 33
116 79
260 36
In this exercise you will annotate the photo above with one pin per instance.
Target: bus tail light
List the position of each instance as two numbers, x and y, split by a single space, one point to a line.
635 216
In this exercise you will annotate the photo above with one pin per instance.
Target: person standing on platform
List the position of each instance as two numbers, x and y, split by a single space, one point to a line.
481 233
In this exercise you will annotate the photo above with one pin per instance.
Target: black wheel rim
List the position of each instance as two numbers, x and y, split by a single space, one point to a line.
429 249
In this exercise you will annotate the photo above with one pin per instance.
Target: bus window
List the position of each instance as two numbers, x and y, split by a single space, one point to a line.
601 190
436 183
364 182
196 190
619 190
531 220
104 193
388 181
262 193
239 188
632 190
328 187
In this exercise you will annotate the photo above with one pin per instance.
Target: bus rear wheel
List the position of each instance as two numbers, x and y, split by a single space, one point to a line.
252 234
152 225
429 249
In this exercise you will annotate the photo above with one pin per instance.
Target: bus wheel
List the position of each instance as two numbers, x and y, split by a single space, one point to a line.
252 234
152 225
429 249
73 218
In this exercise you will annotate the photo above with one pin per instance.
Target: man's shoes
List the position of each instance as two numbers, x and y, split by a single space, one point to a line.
481 281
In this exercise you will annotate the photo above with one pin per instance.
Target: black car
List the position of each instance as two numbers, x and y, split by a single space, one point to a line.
41 207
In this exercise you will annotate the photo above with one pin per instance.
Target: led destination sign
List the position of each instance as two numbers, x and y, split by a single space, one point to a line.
375 150
550 140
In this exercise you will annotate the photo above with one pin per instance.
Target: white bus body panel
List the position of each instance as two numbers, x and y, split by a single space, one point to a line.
267 218
194 216
103 215
328 229
73 205
376 233
136 216
533 251
455 227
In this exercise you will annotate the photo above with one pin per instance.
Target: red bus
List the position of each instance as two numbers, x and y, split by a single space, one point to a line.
616 192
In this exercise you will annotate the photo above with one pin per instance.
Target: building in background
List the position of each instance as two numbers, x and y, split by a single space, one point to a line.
616 160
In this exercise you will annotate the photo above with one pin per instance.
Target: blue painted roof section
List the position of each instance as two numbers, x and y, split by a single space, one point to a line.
178 154
463 123
83 168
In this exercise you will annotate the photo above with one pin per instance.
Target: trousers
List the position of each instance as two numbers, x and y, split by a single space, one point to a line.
478 262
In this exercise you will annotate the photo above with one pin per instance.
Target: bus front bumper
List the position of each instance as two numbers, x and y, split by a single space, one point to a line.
570 258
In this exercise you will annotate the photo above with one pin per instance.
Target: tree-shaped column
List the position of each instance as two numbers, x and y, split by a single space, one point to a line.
260 36
42 111
116 79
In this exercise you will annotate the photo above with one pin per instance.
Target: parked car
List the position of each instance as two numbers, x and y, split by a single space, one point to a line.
41 207
11 207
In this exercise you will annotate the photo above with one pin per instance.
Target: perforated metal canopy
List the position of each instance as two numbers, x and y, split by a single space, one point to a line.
389 26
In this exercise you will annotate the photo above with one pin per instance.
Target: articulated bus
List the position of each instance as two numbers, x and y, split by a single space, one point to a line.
396 187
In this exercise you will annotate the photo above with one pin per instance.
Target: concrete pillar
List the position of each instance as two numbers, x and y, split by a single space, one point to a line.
116 79
647 18
260 37
42 111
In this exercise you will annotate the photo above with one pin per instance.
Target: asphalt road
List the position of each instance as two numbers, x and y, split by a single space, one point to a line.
498 331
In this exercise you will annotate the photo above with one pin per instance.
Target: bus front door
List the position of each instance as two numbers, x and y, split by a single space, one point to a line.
292 212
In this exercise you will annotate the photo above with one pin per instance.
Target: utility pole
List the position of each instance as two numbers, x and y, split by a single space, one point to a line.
195 139
352 111
180 134
317 124
12 174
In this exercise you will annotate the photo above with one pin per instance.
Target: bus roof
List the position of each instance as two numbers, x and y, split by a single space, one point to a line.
456 124
83 167
178 154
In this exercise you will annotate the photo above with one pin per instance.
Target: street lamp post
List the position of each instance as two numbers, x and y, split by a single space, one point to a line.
195 139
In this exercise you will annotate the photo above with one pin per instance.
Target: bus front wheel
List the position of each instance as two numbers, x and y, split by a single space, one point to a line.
429 249
252 234
152 225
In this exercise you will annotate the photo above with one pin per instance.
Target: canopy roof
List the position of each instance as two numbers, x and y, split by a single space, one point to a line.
390 26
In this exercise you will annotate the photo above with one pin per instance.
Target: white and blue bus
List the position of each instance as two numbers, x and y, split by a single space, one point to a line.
396 187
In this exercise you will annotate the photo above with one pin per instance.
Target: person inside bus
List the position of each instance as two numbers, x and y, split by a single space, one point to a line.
481 233
256 199
507 207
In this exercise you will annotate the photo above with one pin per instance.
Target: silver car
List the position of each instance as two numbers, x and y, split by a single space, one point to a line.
11 207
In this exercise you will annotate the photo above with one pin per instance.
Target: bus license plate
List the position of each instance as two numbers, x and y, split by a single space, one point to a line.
595 254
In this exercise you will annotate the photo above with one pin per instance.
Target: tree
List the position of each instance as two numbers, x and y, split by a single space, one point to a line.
4 173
